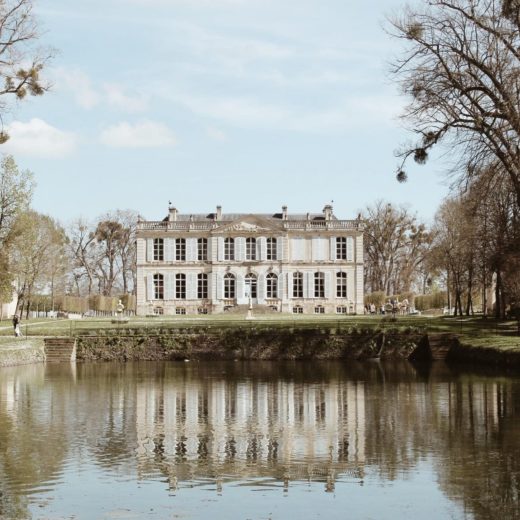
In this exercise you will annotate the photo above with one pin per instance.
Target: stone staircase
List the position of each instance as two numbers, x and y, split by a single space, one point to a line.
440 345
60 350
258 310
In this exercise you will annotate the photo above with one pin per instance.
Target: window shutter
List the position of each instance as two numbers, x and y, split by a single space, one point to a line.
280 286
149 289
240 289
149 249
220 249
261 288
309 285
191 249
261 248
350 249
289 285
279 248
191 285
169 286
212 286
329 294
220 287
210 249
169 249
333 249
240 249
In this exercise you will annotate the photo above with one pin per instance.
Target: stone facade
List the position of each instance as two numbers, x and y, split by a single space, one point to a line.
201 264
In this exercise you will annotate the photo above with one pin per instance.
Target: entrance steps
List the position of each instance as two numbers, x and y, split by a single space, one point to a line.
60 350
440 345
258 310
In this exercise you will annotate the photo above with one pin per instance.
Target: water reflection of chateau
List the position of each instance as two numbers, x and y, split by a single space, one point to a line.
284 430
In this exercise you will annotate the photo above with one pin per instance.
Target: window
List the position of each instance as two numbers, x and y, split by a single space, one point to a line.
202 310
250 248
272 285
158 311
341 248
341 285
251 286
180 286
271 249
158 249
180 310
229 249
202 286
319 285
180 249
297 309
158 287
319 309
298 285
229 285
342 309
202 249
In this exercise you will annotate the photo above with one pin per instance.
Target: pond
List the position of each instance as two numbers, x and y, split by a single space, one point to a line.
258 440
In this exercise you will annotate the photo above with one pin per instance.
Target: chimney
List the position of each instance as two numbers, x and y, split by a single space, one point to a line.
284 212
327 211
172 215
219 212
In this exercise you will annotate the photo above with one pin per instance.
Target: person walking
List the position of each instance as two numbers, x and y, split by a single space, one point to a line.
16 325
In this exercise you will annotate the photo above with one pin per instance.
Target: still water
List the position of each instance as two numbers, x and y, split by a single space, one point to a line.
258 440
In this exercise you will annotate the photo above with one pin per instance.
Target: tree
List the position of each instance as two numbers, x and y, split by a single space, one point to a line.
20 62
395 246
37 253
460 71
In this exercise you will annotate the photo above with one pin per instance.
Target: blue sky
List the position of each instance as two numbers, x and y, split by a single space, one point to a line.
250 104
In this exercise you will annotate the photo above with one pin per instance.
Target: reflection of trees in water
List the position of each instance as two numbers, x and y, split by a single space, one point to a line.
288 421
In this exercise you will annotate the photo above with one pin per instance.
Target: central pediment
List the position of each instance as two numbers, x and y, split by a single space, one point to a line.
249 224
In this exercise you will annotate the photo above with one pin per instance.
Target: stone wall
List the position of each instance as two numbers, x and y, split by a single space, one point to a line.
22 352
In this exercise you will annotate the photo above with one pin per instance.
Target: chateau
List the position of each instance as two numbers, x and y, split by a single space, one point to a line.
292 263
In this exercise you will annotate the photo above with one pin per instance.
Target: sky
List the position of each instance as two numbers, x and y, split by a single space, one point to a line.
247 104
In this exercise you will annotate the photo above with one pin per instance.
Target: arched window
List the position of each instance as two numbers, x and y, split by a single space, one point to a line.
229 248
250 248
297 285
202 286
272 285
341 285
158 287
229 286
251 285
319 285
180 286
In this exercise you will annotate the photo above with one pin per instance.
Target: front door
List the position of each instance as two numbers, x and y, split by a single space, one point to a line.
251 288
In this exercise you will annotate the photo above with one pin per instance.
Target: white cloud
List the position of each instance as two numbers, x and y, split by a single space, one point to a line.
117 98
39 139
146 134
80 86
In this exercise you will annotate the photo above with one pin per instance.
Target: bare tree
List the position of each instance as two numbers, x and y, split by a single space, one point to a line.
460 69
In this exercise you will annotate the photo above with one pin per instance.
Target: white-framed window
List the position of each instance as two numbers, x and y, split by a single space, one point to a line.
297 309
229 286
158 287
202 249
202 310
229 248
251 285
202 286
341 248
180 286
319 309
250 248
271 249
158 311
297 285
341 309
158 249
319 285
341 285
180 310
180 250
271 285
